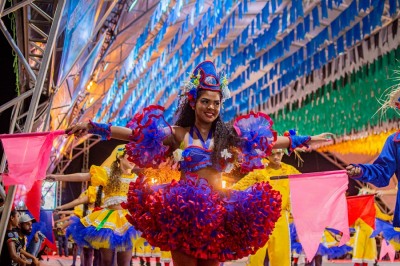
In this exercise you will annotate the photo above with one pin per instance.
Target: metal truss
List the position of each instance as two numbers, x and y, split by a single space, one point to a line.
34 50
61 163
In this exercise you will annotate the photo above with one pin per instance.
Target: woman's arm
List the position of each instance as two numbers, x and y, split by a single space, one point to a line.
282 142
66 218
285 142
75 202
64 212
386 192
76 177
104 130
121 133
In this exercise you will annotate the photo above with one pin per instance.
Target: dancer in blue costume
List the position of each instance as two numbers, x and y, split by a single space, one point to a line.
388 163
195 218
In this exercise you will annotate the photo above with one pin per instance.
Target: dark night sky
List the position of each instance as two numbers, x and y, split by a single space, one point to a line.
7 85
7 80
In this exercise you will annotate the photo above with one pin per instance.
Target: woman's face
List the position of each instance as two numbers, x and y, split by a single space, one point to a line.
125 163
14 220
208 106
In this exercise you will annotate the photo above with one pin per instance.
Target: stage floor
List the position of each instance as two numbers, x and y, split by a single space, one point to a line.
63 261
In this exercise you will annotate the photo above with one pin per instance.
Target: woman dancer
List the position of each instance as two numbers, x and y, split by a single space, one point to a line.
107 229
194 218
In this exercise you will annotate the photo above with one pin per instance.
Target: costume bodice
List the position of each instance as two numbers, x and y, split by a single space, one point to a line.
195 157
100 176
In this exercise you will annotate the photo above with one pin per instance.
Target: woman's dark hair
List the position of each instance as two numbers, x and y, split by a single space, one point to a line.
224 135
12 213
114 181
85 209
99 195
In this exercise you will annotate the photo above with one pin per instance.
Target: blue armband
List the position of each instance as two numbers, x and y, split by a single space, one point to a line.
103 130
296 141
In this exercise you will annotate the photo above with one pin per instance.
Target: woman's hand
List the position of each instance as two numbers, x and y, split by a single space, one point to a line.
80 129
324 137
353 171
36 262
50 178
366 191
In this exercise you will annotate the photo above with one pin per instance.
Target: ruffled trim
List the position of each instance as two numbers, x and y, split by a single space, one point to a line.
91 236
188 215
75 230
149 129
337 252
258 138
253 211
114 200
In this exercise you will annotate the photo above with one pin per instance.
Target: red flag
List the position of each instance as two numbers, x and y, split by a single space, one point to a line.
318 201
27 156
362 207
33 199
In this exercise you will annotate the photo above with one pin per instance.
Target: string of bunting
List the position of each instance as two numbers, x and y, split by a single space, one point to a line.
152 83
281 74
346 105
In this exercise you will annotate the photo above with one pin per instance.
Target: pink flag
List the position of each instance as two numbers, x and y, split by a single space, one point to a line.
318 201
27 156
387 248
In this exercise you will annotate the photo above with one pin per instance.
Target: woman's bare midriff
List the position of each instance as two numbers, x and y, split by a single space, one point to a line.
115 207
212 176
